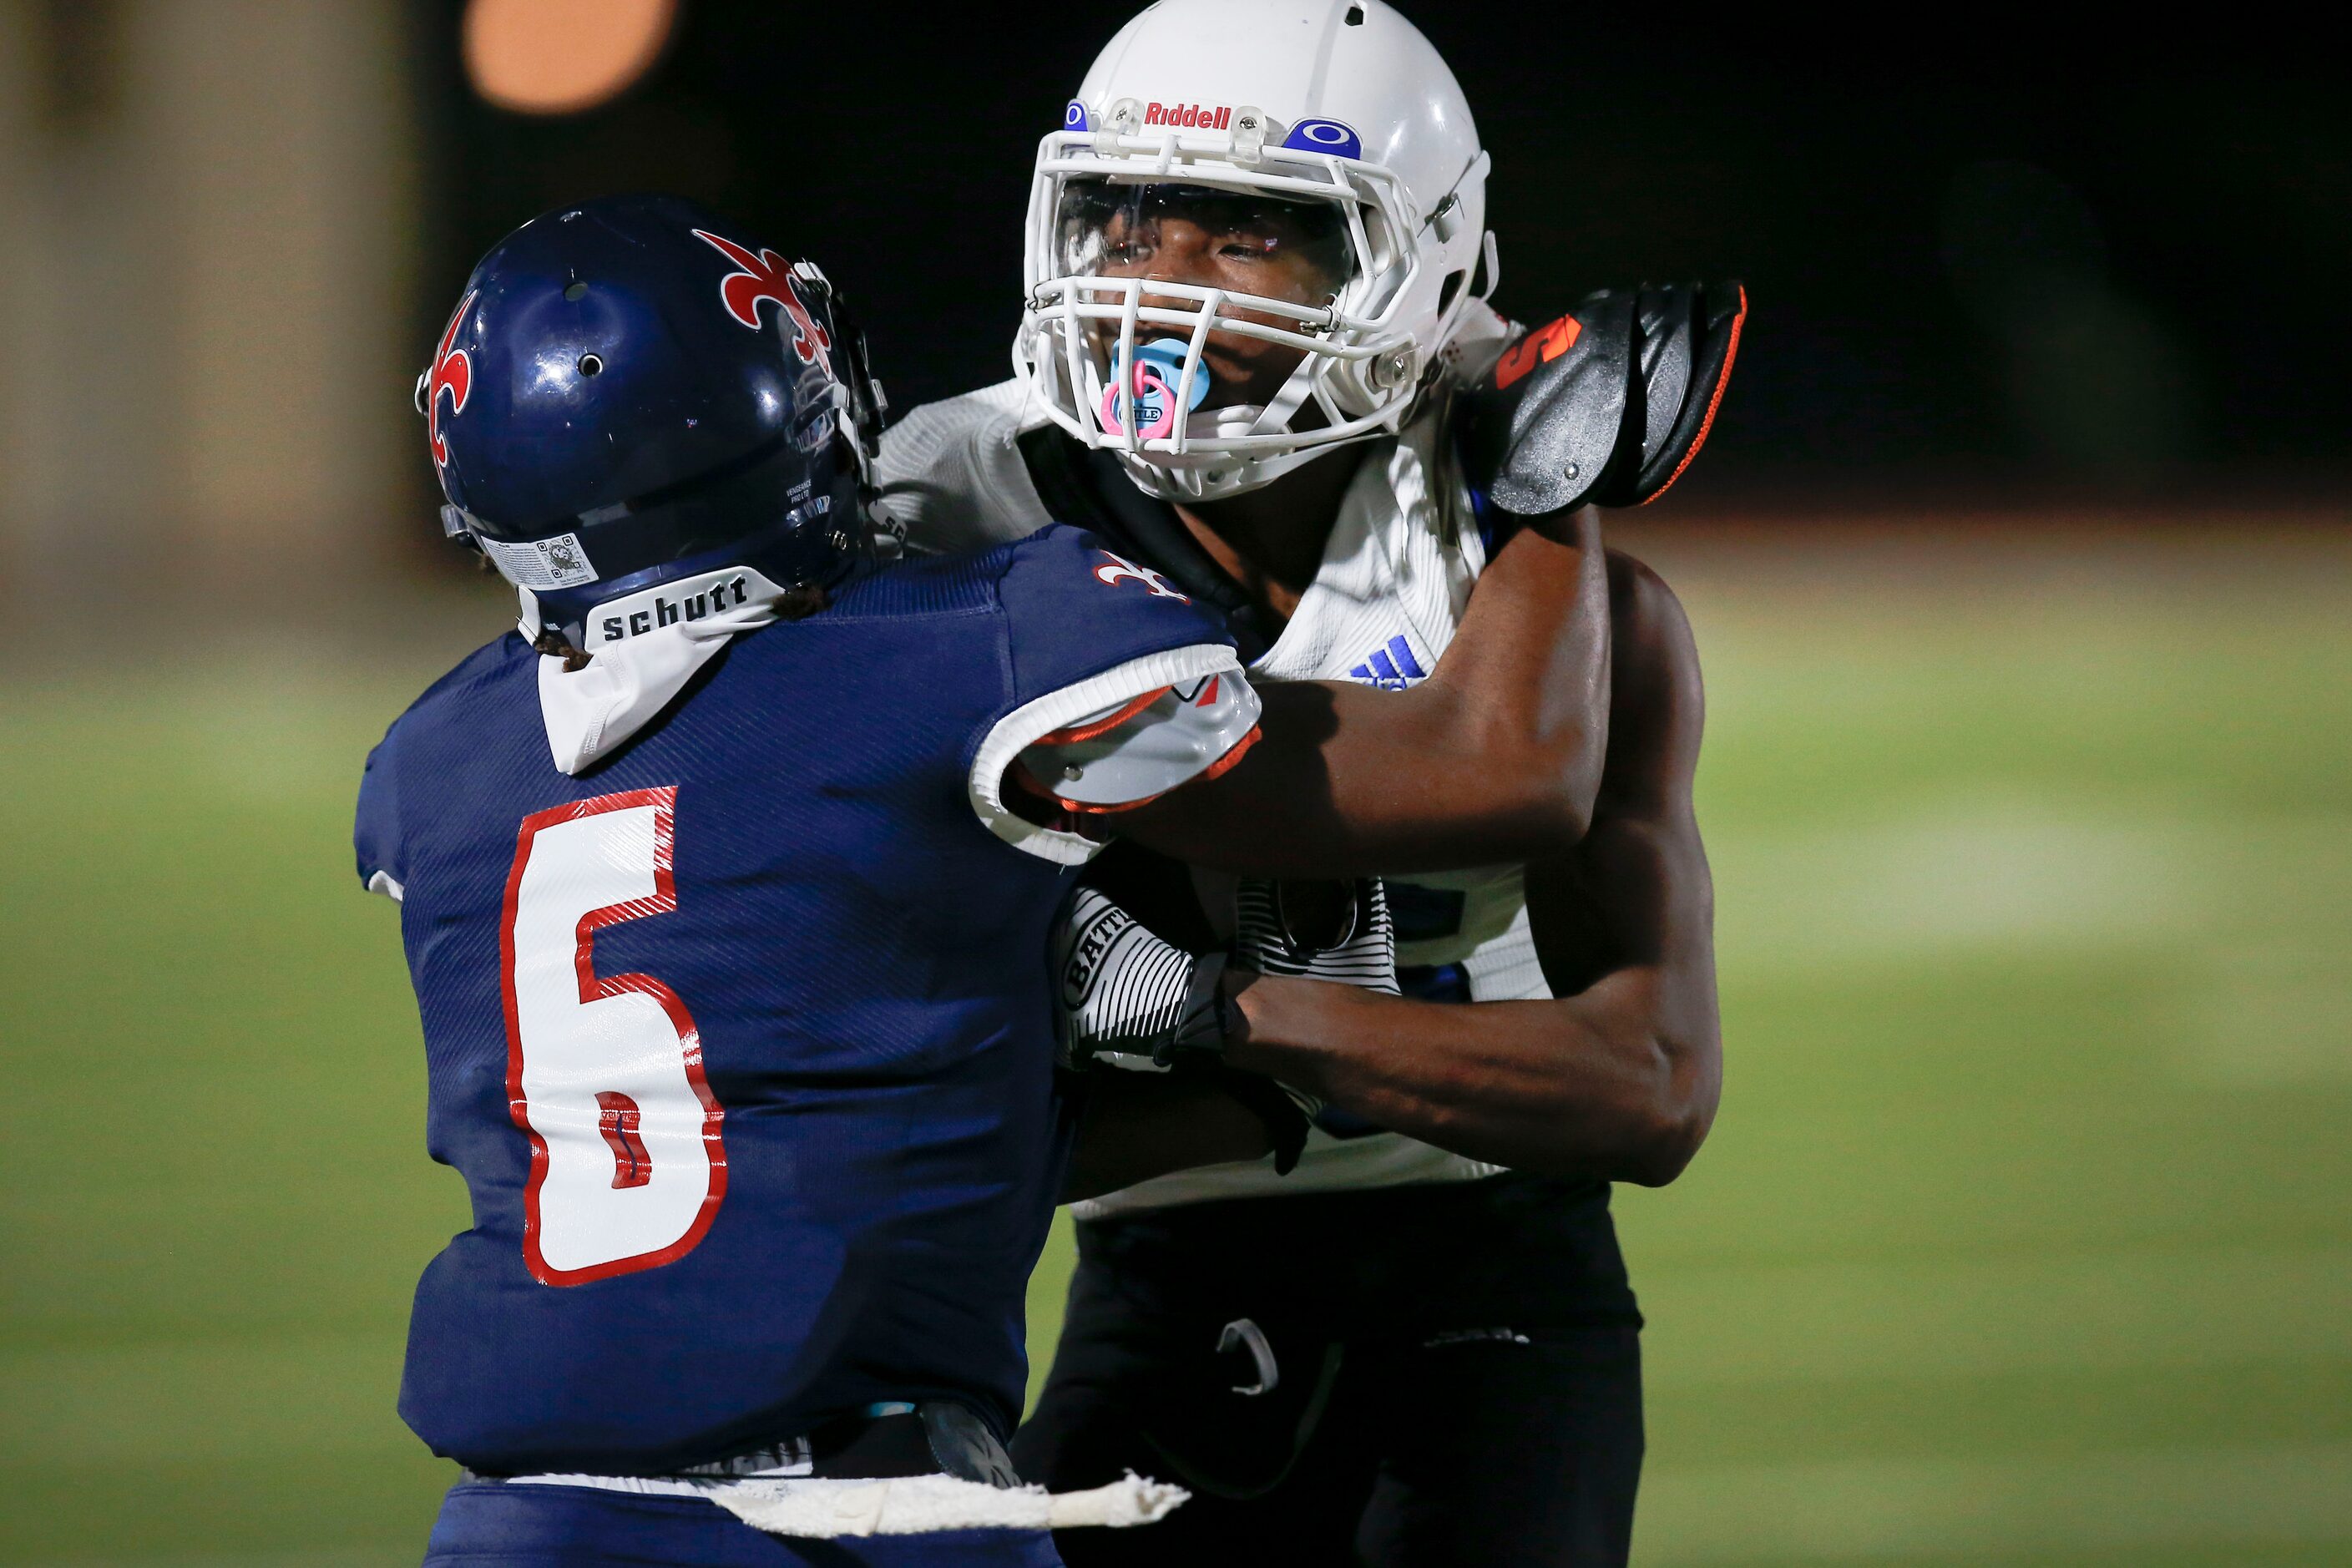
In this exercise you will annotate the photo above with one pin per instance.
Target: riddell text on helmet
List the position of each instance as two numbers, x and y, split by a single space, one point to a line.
1191 115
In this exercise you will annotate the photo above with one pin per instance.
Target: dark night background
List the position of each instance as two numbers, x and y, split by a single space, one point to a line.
2018 566
2015 261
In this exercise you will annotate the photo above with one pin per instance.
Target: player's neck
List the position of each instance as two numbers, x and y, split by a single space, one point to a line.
1270 539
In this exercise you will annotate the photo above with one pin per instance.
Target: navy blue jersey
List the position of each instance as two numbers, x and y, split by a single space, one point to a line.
743 1040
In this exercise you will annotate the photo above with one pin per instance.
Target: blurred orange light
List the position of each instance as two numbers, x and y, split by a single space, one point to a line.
559 57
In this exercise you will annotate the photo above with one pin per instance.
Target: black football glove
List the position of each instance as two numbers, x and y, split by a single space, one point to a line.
1131 1001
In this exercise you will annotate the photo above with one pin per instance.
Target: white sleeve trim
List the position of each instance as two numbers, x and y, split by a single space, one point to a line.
1021 727
382 882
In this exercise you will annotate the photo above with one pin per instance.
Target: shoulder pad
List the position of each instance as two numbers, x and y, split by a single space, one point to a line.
1607 405
1139 749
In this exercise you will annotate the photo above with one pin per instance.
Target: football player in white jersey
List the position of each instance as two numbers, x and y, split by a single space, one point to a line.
1256 355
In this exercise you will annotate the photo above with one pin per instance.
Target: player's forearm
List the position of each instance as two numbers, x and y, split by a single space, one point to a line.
1496 758
1527 679
1141 1125
1504 745
1555 1087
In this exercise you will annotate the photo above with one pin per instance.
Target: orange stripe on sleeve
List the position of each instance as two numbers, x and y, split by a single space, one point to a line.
1102 726
1730 358
1214 770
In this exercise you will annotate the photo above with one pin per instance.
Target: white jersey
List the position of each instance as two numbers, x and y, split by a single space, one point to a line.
1381 610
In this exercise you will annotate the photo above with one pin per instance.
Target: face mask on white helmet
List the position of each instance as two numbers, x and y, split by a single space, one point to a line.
1246 246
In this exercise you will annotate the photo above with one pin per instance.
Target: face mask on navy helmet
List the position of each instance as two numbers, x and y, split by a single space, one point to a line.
634 390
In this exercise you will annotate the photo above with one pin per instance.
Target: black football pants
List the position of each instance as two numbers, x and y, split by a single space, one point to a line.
1457 1380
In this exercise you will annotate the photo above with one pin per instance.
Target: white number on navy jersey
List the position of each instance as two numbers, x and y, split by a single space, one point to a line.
603 1073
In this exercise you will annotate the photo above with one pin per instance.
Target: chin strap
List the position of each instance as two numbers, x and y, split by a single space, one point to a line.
1293 396
1167 482
1187 485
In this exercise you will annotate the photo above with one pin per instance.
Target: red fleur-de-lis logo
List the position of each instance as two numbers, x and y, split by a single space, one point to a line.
1123 570
768 276
452 372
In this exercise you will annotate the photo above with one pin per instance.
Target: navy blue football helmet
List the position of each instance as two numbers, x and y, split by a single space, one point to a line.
630 392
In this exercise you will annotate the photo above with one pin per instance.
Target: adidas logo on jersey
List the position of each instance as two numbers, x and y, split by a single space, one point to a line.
1391 666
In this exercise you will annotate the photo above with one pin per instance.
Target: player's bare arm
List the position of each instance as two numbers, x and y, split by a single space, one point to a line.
1618 1077
1514 719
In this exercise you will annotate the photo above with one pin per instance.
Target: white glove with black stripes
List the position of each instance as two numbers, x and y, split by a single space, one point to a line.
1337 931
1130 1000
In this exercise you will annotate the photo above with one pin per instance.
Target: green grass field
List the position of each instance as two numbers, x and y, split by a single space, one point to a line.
2025 1237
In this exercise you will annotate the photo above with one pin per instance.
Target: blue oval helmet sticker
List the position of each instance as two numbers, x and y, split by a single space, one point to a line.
1074 118
1324 136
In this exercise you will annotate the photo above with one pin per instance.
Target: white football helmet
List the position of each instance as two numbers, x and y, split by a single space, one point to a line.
1328 132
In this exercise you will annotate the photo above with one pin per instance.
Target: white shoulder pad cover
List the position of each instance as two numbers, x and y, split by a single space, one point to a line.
1135 751
952 476
1134 732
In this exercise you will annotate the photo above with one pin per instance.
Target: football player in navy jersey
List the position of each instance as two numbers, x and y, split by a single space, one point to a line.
727 885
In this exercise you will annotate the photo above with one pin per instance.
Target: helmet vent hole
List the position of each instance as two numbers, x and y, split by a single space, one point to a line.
574 291
590 365
1355 16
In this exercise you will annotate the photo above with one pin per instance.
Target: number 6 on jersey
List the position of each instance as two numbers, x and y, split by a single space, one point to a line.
604 1075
